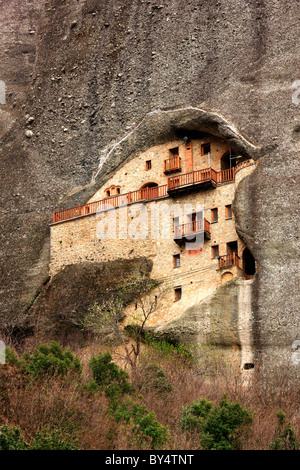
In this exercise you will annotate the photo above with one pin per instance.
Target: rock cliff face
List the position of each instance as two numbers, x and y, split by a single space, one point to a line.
19 22
102 71
66 299
223 319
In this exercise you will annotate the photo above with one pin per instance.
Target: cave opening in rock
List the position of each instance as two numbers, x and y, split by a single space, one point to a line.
248 263
230 159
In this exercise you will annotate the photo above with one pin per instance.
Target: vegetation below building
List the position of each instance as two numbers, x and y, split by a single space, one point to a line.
81 398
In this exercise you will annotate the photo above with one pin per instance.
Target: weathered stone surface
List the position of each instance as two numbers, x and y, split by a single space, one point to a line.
267 219
99 69
18 39
67 297
221 320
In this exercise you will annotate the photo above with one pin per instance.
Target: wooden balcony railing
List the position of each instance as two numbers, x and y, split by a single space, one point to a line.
172 164
200 176
145 194
181 232
174 182
225 175
229 260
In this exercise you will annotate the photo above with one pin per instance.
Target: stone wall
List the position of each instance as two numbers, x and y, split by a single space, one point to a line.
80 240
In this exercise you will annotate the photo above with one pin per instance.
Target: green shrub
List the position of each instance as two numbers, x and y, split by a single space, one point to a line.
109 377
194 415
11 439
46 360
51 360
169 350
157 378
12 358
45 440
90 387
286 438
220 427
145 424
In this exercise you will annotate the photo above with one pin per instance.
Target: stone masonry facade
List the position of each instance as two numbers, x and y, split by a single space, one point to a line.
189 271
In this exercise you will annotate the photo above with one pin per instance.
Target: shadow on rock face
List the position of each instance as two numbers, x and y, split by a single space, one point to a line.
61 307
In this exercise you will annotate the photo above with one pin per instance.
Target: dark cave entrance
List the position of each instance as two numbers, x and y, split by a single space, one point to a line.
248 263
230 160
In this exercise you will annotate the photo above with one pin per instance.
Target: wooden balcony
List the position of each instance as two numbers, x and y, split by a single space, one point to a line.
229 260
198 179
173 164
146 194
188 232
194 179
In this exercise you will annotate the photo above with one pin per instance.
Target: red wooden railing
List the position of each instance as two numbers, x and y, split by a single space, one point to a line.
200 176
225 175
229 260
172 164
114 201
147 194
192 228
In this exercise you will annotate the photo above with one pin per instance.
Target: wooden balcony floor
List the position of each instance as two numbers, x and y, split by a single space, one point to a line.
188 232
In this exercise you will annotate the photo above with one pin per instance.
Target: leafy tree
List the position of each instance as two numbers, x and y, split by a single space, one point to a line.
55 440
286 438
106 317
220 427
46 360
194 416
11 439
144 423
157 378
109 376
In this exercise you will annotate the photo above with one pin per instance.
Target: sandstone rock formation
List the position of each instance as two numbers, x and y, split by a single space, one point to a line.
62 305
222 320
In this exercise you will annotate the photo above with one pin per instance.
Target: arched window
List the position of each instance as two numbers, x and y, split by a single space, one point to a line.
149 185
226 277
113 190
230 160
149 190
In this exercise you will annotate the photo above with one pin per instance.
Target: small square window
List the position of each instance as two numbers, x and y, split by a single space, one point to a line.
174 152
228 212
215 251
214 215
176 261
205 149
148 165
178 293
